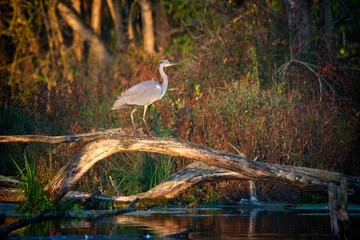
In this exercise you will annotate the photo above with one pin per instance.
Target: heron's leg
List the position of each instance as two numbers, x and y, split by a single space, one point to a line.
132 119
145 108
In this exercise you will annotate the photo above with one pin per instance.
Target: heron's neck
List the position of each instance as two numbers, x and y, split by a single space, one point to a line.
165 81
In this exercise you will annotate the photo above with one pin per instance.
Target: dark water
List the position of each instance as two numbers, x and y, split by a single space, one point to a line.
239 221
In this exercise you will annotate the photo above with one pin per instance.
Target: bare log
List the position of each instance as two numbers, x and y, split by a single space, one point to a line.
81 162
112 141
10 191
173 186
11 195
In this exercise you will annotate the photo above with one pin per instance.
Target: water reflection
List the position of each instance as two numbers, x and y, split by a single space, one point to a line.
243 221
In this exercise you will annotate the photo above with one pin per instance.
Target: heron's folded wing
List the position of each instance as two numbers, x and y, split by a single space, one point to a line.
141 94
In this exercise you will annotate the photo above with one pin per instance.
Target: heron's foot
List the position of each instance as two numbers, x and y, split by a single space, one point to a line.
149 133
105 131
136 133
140 132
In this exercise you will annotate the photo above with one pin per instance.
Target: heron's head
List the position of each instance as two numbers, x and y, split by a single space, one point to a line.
166 63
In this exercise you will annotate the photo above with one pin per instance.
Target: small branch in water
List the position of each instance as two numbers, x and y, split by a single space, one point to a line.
49 214
129 208
4 231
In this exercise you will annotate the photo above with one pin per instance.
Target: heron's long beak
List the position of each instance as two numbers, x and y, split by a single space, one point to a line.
172 64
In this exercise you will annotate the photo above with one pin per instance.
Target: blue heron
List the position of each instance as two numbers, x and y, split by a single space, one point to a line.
145 93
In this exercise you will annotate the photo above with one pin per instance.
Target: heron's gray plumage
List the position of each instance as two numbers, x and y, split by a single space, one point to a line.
145 93
141 94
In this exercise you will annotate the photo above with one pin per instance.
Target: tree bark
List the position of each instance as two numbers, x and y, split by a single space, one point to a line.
95 25
100 149
162 27
77 44
58 41
176 184
130 27
173 186
97 45
298 15
112 141
147 26
114 8
96 16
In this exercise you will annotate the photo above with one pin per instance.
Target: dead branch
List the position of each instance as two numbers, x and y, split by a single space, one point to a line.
49 214
177 183
83 137
106 143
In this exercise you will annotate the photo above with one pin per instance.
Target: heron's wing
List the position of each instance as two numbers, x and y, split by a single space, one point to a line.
141 94
142 88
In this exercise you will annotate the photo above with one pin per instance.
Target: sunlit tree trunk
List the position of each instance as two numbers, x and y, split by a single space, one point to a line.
95 23
115 11
97 46
114 7
147 26
162 27
96 16
130 28
77 43
58 41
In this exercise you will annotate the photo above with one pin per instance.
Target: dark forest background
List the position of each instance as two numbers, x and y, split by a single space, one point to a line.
275 80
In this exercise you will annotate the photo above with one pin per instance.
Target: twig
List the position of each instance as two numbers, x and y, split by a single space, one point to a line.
129 208
307 65
4 231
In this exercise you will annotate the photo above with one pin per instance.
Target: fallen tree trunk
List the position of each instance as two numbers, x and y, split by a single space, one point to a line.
173 186
109 142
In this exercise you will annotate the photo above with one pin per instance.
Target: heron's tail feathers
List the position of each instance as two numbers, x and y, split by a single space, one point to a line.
119 103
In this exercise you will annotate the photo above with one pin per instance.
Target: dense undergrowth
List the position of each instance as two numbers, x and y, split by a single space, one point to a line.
231 92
